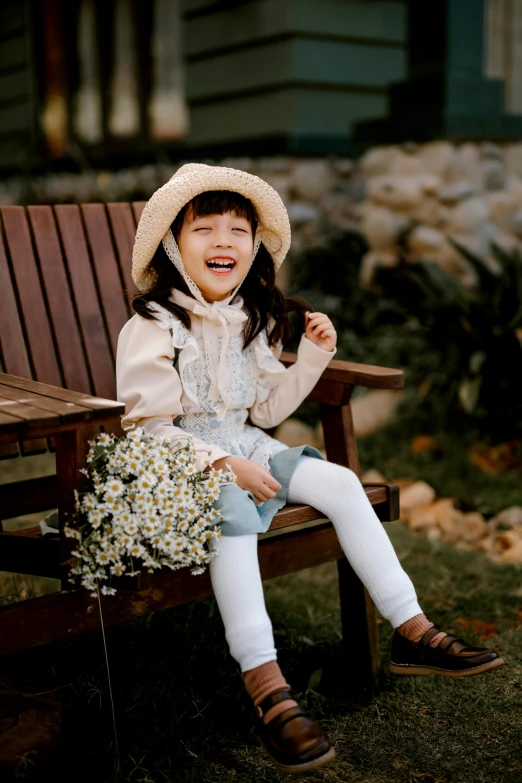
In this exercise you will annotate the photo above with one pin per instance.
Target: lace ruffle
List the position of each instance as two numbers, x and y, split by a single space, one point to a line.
187 345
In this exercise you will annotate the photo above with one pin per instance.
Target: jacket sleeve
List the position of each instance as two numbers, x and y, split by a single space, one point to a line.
283 390
149 385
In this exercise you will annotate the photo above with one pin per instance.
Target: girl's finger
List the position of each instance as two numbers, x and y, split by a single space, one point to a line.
326 322
272 483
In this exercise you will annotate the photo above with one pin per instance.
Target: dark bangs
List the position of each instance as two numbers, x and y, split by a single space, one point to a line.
216 202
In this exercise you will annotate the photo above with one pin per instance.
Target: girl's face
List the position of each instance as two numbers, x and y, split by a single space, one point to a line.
217 252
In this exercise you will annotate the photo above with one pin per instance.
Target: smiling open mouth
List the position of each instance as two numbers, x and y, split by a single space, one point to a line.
221 266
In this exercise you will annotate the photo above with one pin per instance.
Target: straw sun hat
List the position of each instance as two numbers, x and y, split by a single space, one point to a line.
191 180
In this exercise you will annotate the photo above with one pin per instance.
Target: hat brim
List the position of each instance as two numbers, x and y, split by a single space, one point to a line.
191 180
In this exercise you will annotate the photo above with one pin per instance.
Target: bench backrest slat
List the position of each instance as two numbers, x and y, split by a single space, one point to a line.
61 309
92 326
35 320
12 341
110 284
123 230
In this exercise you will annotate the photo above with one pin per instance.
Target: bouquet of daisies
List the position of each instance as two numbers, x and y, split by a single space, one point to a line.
145 506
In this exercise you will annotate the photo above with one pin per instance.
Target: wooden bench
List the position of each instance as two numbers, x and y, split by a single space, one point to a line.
65 293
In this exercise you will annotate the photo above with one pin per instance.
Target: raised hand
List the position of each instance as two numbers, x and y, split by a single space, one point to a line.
252 477
320 331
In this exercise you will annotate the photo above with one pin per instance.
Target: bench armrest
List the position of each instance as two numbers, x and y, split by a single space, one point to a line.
338 375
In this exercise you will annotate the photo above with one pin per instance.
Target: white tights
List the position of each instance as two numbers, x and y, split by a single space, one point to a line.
339 495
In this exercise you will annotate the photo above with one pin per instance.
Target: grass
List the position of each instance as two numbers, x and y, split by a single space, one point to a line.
181 712
180 709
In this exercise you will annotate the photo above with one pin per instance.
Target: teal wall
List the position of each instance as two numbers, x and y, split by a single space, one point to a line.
299 72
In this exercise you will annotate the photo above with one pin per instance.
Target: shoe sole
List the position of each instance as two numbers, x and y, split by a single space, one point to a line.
297 769
406 668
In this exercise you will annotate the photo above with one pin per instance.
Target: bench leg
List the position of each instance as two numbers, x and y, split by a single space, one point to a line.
359 624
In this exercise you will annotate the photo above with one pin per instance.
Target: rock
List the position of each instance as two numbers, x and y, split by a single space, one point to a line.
502 208
516 223
406 165
454 192
294 432
464 165
280 164
494 175
468 217
373 477
429 514
450 524
509 517
311 180
509 546
395 192
491 151
513 555
375 410
436 156
281 183
473 527
417 494
343 166
513 158
379 160
381 228
430 212
301 212
423 242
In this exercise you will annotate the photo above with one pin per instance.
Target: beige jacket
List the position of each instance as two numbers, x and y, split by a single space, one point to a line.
262 388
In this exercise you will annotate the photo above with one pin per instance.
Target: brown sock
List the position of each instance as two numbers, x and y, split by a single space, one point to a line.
264 680
415 628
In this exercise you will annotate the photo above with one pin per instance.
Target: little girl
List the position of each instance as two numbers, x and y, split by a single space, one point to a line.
201 358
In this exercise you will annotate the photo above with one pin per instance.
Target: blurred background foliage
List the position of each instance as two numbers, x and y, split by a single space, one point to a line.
460 347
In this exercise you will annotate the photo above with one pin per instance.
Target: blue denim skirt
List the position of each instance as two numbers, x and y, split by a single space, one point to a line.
241 513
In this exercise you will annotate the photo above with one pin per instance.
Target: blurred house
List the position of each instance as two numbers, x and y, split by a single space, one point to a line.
107 83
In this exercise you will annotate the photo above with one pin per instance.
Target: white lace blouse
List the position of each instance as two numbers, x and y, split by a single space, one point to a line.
170 387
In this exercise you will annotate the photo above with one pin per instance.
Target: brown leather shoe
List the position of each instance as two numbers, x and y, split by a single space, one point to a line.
294 741
453 657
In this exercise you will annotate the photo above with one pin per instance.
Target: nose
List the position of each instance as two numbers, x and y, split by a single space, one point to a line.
223 239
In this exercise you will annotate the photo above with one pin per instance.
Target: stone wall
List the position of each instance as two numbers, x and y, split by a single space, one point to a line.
408 201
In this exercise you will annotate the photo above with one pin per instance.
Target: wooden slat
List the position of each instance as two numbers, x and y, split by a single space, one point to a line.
70 348
92 326
12 340
9 451
99 407
124 229
63 410
137 208
356 374
28 497
35 417
107 270
25 270
56 616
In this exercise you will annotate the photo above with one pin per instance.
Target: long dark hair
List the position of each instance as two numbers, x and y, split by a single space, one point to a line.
263 300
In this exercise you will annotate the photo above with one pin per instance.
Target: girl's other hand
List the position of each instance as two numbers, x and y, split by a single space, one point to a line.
251 476
320 331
